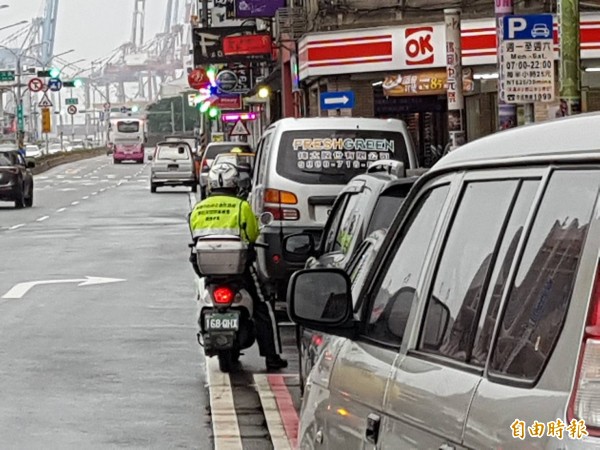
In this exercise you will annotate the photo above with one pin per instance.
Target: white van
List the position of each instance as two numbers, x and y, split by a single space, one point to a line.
302 165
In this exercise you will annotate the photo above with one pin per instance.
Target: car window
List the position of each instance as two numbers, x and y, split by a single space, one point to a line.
21 160
350 222
336 156
7 159
263 158
504 260
214 150
461 278
541 292
358 269
333 223
177 153
128 127
389 313
386 208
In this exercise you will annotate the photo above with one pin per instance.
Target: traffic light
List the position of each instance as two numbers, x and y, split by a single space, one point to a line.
51 73
135 108
204 107
213 112
73 83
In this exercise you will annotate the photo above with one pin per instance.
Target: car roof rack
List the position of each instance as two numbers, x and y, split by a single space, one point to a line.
391 167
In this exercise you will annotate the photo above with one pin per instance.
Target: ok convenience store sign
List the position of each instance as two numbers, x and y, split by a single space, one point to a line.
420 46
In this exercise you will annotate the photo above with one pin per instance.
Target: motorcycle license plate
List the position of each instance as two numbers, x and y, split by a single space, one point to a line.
222 321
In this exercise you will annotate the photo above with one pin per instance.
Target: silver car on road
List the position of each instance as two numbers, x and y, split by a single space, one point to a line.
172 165
480 325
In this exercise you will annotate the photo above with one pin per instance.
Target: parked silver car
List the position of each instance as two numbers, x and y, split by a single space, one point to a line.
480 319
172 165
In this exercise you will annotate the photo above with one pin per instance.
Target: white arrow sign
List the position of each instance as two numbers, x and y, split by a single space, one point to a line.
336 100
19 290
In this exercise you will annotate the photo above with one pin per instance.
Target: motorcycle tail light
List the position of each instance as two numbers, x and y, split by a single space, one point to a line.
223 295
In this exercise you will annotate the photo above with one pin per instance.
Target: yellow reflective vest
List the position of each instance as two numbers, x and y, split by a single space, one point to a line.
224 214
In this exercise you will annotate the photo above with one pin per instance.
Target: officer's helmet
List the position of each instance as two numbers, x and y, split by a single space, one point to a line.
223 177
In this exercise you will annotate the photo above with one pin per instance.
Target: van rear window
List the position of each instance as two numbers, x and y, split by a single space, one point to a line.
336 156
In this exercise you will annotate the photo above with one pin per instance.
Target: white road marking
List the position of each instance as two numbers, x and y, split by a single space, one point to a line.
67 189
127 177
94 193
272 416
19 290
75 203
86 197
226 430
103 189
94 178
41 219
15 227
60 210
78 177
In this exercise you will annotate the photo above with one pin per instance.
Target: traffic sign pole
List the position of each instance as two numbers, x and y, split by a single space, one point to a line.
507 113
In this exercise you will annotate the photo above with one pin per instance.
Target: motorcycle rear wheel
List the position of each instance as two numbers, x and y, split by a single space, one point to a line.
228 359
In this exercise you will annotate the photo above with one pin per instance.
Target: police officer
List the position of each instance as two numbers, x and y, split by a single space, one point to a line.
223 212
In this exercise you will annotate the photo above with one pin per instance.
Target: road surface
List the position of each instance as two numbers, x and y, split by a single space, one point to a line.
98 326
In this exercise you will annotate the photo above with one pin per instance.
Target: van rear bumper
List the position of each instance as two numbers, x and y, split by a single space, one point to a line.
274 269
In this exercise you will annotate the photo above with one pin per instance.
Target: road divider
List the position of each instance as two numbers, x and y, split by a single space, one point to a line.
48 162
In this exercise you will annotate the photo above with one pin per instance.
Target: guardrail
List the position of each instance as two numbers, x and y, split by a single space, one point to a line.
47 162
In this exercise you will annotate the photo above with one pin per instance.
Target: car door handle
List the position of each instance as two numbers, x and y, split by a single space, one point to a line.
372 431
447 447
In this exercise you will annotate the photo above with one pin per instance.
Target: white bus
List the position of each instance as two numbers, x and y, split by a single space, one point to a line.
126 139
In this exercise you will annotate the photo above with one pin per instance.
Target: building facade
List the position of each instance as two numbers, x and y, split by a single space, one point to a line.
392 56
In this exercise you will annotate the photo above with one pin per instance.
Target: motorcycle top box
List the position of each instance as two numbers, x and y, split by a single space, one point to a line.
221 255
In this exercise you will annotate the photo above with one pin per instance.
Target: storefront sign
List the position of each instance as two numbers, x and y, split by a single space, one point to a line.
231 102
527 59
258 8
410 47
255 44
208 44
430 82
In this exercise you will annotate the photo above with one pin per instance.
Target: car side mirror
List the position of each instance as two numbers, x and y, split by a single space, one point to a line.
321 299
150 157
298 247
30 164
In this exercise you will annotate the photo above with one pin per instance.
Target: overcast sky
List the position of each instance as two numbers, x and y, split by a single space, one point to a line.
94 28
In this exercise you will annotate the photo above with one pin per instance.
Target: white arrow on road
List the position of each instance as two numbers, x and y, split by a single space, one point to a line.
19 290
337 100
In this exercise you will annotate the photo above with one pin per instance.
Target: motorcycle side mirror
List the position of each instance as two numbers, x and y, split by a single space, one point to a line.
266 218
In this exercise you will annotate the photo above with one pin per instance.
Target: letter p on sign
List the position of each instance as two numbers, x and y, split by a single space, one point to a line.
515 26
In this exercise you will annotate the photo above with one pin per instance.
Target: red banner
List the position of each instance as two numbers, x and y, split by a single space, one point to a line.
252 44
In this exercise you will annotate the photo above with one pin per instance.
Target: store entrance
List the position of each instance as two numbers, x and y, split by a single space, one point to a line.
425 117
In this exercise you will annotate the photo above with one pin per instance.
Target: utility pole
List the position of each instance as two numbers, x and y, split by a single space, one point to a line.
456 101
20 111
507 113
570 75
183 111
172 116
205 23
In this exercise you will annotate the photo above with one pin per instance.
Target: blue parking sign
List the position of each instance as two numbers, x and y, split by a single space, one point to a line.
532 26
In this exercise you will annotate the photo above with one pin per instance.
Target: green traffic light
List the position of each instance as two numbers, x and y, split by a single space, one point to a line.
77 83
213 112
135 109
54 73
204 107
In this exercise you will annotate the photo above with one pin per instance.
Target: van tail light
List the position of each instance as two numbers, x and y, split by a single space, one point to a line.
283 213
204 165
282 197
585 398
223 295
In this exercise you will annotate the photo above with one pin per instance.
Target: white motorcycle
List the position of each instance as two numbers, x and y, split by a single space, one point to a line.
226 307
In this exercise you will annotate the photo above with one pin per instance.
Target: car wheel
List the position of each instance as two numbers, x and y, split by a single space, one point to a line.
153 187
29 200
20 198
116 161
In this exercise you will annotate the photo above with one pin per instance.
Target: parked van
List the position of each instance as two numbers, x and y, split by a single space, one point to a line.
480 323
301 167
